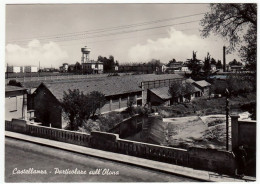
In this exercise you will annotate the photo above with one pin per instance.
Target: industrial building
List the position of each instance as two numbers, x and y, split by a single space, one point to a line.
45 100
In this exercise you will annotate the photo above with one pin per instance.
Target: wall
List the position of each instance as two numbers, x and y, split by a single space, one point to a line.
47 107
206 159
243 133
129 126
14 106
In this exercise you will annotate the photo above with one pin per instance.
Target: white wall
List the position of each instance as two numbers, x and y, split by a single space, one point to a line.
13 107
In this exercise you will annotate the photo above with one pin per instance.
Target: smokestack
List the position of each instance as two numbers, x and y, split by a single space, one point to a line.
224 59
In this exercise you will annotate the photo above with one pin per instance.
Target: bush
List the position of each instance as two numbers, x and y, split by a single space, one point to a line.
14 83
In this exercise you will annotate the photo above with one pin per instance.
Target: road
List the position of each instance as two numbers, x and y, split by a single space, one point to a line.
20 155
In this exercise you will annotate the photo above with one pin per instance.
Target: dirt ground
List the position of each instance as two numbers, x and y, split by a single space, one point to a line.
198 131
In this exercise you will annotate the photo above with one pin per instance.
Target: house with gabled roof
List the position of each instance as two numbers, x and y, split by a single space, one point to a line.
204 86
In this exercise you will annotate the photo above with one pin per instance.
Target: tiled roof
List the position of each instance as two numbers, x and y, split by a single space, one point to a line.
162 92
13 88
107 85
203 83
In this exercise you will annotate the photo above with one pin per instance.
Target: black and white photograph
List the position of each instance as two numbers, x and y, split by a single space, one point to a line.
130 92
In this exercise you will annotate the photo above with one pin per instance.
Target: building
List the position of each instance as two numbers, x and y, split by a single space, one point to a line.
45 100
235 68
13 69
47 97
213 67
15 102
93 67
204 86
64 67
90 66
185 69
30 69
162 96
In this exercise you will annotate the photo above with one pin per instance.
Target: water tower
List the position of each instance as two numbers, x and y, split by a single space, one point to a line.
85 54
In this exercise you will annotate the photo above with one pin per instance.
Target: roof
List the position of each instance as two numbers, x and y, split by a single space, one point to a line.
13 88
190 80
202 83
162 92
107 85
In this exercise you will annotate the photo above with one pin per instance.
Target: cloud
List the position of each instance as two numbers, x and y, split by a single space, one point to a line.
48 54
177 45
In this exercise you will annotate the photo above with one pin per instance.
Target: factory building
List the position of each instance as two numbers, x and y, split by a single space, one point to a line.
46 99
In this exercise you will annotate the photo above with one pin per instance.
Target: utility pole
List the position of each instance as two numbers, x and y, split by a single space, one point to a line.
224 59
227 114
39 68
7 71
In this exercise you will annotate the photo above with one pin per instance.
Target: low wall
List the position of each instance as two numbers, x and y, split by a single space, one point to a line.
129 126
205 159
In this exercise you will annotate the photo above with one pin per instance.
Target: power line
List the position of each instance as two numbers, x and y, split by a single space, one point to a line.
94 31
84 36
125 38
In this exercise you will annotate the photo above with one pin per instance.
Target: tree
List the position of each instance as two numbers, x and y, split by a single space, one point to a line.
179 89
235 62
219 65
77 67
154 63
108 63
170 62
14 83
237 23
98 100
194 64
213 61
78 107
206 66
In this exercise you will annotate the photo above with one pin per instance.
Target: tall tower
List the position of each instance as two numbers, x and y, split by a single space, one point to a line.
85 55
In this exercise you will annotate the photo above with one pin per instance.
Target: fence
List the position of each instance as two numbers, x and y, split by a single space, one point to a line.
198 158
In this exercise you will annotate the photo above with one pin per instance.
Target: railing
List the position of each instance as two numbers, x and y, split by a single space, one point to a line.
77 138
199 158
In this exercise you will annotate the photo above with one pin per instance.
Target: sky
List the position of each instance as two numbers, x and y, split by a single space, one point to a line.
132 33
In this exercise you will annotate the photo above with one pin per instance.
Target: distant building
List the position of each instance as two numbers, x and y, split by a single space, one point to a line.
92 67
64 67
162 96
185 69
164 67
204 86
213 67
13 69
30 69
235 68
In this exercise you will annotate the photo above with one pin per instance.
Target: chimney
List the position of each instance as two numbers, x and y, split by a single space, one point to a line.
224 59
